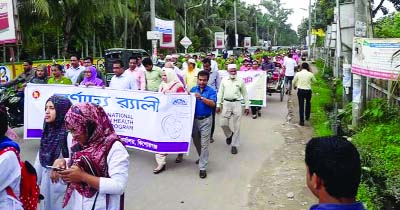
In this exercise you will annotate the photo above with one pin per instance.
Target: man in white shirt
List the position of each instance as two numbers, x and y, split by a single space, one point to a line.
214 64
75 69
290 64
122 80
137 73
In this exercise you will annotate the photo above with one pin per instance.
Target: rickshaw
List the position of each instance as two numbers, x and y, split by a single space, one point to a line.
276 81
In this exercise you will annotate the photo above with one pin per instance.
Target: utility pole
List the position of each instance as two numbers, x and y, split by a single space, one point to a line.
153 27
309 32
236 35
362 15
126 25
256 32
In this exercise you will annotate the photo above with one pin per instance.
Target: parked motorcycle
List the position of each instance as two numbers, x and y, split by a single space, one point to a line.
11 100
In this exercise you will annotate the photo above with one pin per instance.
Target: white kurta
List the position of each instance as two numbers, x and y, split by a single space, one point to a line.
10 176
53 192
118 164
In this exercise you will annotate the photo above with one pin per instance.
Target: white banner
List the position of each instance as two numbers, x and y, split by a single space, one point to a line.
256 85
167 30
5 74
150 121
247 41
7 24
219 40
377 58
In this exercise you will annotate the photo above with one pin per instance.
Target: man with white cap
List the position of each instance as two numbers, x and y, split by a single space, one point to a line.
190 74
230 92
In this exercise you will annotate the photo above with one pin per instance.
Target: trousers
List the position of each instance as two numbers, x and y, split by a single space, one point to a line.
231 113
201 135
304 95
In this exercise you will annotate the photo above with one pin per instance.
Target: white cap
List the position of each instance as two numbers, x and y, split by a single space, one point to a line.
232 66
168 57
175 56
192 61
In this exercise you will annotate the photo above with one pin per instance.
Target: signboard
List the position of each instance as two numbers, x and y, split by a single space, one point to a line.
376 58
247 42
153 35
5 74
185 42
256 85
167 30
149 121
219 40
7 23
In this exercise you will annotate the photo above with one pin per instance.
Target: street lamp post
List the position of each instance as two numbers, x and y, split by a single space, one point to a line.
236 35
186 10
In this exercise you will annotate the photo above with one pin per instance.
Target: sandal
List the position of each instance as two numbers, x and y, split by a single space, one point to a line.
179 158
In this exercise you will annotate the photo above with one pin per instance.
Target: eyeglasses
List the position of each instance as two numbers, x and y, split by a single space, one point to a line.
87 72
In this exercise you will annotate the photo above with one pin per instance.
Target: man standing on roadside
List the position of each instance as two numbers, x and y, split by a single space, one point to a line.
214 82
202 124
75 69
333 173
230 92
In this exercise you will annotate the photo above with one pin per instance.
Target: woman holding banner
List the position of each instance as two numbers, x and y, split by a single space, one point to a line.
170 84
97 171
53 144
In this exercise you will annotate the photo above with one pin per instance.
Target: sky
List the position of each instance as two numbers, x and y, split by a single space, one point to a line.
300 10
297 15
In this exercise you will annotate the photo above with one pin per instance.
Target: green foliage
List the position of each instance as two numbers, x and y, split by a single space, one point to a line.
369 196
73 26
322 97
378 142
388 27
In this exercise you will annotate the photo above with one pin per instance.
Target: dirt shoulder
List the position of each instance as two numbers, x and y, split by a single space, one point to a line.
280 183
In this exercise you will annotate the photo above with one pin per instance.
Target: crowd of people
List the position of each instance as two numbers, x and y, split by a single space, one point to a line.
82 163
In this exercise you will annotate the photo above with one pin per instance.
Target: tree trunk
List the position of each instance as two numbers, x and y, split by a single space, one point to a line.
68 22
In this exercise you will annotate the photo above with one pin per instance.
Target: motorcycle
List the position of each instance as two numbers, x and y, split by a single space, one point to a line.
11 100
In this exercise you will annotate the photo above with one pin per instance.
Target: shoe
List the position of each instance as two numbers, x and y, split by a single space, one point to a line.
157 171
179 158
229 139
212 140
259 113
254 116
197 161
234 150
307 118
287 92
301 123
203 174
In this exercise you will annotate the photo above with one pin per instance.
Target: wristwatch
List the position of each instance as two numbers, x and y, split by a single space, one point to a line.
201 98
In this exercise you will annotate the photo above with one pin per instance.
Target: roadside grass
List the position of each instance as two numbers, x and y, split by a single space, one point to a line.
322 97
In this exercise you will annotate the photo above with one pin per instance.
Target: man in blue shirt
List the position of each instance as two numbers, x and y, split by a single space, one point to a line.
333 173
206 98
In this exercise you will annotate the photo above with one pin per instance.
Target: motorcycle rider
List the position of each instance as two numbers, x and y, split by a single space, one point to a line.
21 80
19 84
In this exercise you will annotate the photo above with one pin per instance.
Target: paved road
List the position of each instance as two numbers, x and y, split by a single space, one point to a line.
229 176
